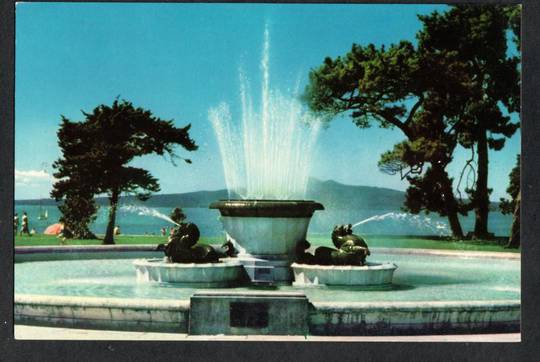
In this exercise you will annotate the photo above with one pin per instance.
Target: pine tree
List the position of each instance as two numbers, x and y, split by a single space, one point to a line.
97 153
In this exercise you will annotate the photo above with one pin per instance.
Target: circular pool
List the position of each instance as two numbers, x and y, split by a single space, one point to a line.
463 291
419 278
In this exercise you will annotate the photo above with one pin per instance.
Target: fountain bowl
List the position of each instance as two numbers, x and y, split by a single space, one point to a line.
266 232
267 229
371 274
222 274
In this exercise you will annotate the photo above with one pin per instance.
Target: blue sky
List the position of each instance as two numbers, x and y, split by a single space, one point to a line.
178 60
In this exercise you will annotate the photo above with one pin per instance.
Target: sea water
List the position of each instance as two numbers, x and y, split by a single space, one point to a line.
321 223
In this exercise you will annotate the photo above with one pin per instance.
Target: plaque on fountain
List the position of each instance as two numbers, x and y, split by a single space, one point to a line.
248 312
248 315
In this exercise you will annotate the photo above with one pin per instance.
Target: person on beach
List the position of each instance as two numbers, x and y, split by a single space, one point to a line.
116 230
24 227
163 231
15 223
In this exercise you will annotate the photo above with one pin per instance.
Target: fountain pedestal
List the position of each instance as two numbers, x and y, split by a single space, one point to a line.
262 271
266 233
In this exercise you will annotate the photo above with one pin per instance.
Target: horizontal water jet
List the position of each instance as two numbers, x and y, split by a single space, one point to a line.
147 211
418 221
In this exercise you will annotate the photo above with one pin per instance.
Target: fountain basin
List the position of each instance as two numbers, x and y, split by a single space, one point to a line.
222 274
435 292
266 229
346 275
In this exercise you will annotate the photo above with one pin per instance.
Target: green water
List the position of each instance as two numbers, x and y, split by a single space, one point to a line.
418 278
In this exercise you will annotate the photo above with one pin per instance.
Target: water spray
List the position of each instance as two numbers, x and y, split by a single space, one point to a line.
146 211
421 222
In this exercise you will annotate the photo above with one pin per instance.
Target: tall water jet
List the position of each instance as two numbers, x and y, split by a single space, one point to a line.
267 152
266 156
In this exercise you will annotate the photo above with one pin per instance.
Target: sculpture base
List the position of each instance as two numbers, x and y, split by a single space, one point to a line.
347 275
266 271
222 274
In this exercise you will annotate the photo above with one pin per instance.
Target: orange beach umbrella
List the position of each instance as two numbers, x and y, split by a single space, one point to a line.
53 229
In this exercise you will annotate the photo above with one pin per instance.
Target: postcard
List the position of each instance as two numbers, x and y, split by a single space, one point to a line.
283 172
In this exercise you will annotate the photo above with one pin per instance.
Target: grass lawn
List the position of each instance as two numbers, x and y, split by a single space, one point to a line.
42 240
315 240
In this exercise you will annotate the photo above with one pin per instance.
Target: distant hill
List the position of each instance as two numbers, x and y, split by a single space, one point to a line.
188 199
335 195
330 193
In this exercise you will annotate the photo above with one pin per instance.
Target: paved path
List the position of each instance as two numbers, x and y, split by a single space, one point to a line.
47 333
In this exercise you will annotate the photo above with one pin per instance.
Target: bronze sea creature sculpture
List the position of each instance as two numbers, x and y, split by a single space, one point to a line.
351 249
182 246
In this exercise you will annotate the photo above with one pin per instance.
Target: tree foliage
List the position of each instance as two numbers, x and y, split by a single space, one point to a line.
372 83
97 153
78 208
513 13
78 212
477 36
401 87
444 92
513 206
508 206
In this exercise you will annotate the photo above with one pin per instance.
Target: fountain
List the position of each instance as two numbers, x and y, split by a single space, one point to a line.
266 158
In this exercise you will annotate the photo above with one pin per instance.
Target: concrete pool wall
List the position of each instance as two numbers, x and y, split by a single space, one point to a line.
323 317
388 318
102 313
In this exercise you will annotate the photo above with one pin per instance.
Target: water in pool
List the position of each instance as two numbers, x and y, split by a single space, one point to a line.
418 278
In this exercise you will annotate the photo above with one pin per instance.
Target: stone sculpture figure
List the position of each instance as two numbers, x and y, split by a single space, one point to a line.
351 249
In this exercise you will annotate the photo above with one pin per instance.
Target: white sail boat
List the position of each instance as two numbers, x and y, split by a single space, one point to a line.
43 215
43 212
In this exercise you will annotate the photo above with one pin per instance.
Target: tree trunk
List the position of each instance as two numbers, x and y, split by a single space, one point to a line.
514 241
109 234
481 197
451 206
455 225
